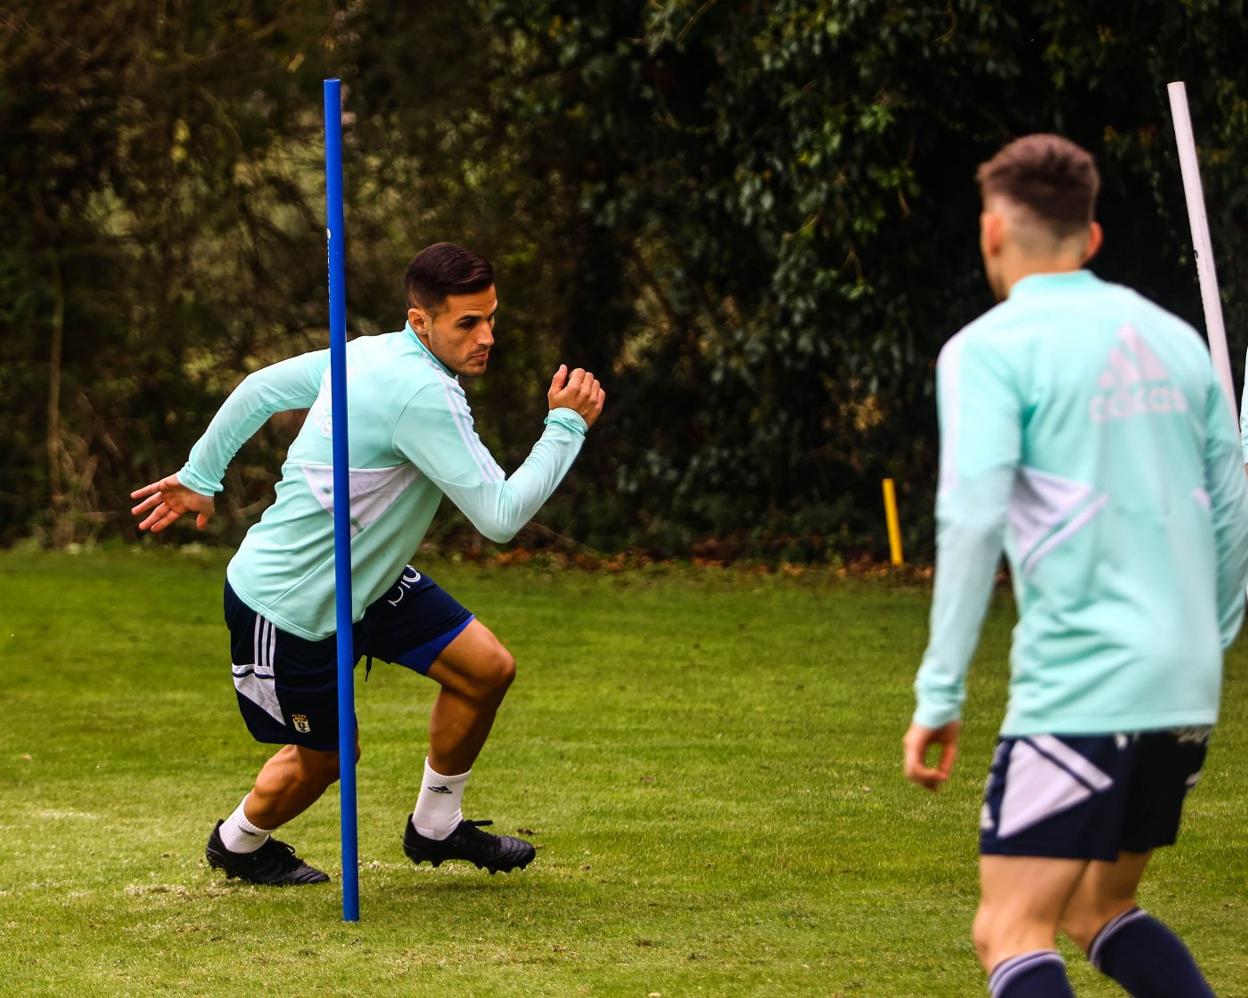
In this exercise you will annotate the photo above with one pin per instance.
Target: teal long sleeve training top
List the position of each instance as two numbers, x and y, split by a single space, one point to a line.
1083 430
411 440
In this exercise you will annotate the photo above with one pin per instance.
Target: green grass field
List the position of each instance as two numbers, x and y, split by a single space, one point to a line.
708 761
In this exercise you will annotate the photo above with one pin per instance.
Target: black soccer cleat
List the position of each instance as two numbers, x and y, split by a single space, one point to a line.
485 851
274 863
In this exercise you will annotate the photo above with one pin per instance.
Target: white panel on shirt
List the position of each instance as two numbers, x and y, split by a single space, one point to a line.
1046 510
373 490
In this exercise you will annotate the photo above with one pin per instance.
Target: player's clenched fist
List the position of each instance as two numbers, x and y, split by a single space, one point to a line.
579 391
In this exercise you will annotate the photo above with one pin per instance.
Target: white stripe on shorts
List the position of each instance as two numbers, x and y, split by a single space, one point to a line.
1080 767
255 680
1036 788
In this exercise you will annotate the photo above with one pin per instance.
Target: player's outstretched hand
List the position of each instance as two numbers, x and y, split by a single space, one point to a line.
166 500
918 741
579 390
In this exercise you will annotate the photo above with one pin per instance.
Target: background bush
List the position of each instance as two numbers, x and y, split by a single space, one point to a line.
756 220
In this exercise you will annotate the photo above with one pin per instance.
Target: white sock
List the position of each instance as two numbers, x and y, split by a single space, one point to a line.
438 806
240 835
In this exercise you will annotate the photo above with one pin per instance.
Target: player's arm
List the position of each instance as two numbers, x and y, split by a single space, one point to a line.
1227 486
1243 423
436 433
288 384
980 441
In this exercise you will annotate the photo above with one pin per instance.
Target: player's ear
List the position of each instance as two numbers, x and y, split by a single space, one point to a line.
991 233
1096 238
417 319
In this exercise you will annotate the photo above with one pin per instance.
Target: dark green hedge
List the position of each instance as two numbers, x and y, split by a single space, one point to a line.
756 221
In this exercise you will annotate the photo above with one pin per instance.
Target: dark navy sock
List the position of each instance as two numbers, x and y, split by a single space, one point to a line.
1146 958
1038 974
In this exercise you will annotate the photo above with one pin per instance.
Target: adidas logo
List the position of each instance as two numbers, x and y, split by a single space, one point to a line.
1129 385
439 790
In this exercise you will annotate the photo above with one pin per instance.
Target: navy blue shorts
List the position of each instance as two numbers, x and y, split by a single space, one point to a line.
287 686
1089 797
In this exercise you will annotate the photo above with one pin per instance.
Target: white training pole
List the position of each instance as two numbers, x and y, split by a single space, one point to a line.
1208 276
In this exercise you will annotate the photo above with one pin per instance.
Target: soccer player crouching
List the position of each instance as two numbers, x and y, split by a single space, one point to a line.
411 442
1081 427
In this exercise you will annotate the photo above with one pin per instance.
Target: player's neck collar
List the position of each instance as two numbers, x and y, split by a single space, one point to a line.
429 354
1044 283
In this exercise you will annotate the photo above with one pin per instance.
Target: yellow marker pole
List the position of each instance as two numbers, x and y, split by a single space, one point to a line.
894 525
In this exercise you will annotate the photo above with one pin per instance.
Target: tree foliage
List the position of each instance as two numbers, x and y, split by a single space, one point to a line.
756 220
153 162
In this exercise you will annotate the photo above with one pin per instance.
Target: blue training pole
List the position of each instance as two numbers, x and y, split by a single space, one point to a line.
336 238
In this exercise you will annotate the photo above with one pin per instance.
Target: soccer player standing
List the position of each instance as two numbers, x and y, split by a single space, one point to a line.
1083 429
412 441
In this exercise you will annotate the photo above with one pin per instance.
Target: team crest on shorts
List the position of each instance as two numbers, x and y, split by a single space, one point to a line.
300 721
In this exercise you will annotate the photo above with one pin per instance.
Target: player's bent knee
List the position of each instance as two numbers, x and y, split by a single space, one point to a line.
1002 931
982 935
505 668
496 671
996 935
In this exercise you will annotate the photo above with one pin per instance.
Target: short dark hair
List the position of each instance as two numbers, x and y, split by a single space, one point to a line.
444 269
1048 175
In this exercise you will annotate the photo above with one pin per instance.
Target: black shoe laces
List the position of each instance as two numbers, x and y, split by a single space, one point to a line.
277 857
471 830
